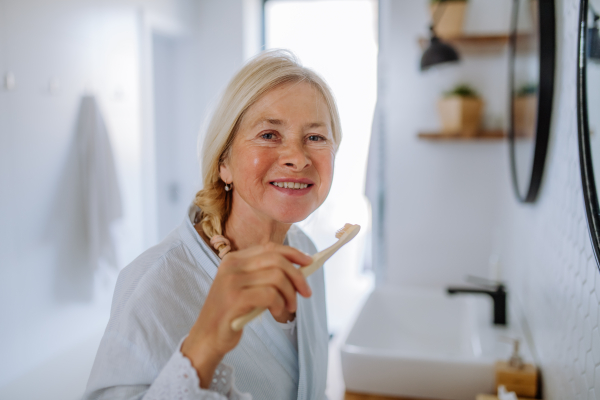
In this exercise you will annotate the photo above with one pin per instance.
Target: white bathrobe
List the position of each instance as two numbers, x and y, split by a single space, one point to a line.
157 300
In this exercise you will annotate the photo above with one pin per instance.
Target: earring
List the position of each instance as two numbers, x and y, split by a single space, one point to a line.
228 186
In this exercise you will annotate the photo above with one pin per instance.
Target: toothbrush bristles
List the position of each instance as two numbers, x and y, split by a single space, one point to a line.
341 232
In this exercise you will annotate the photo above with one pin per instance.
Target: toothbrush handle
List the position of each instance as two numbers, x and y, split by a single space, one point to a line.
239 322
318 261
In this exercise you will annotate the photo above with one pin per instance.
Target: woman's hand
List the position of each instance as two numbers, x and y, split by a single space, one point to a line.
261 276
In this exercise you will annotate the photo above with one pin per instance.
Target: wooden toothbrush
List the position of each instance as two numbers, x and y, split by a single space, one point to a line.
344 235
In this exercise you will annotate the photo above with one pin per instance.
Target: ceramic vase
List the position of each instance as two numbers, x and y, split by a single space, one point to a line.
461 115
525 115
450 24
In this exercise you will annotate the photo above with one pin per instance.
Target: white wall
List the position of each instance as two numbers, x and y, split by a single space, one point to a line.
48 304
546 248
442 198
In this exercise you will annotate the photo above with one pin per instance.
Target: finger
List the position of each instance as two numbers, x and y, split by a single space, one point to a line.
265 297
293 255
276 260
277 306
279 280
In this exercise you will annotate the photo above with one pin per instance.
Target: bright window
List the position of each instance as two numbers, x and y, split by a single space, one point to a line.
338 40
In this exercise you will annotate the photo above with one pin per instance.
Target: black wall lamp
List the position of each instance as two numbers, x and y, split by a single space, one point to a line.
437 52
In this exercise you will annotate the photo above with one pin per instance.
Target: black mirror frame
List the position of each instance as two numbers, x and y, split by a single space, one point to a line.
590 194
547 37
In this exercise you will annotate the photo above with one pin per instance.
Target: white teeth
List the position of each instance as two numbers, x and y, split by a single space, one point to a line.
291 185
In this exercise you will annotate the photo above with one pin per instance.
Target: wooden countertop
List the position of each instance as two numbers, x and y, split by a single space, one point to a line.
360 396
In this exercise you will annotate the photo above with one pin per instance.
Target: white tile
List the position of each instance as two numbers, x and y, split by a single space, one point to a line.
589 370
587 335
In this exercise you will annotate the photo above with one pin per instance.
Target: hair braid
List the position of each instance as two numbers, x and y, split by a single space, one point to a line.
215 203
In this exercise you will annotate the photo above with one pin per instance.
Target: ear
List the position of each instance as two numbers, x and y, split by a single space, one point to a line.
225 173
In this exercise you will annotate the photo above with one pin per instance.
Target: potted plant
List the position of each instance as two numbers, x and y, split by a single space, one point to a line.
460 111
448 22
525 110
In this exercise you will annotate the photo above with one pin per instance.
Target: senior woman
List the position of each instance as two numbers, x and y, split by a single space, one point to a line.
267 162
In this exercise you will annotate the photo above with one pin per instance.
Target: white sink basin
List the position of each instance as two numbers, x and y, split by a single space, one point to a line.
425 343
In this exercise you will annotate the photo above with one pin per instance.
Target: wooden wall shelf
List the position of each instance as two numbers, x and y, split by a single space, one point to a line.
494 135
472 41
360 396
480 42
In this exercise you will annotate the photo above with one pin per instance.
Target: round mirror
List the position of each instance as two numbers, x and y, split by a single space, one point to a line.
588 118
531 87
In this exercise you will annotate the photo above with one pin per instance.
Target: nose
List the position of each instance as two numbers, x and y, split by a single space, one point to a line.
294 156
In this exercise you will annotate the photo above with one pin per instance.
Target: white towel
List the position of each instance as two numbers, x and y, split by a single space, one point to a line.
374 190
100 187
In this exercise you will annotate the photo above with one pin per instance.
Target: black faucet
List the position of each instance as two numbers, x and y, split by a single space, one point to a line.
497 293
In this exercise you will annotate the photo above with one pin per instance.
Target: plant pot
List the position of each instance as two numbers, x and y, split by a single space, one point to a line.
461 115
450 24
535 11
525 115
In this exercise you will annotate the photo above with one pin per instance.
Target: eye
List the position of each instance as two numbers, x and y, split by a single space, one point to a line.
268 136
316 138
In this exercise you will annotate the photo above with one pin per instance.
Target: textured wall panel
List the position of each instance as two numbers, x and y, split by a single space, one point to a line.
547 253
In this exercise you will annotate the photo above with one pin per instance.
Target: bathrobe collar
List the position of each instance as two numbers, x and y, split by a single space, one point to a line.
265 327
308 326
300 364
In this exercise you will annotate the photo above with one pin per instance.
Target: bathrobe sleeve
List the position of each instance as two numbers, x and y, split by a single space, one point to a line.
155 304
179 380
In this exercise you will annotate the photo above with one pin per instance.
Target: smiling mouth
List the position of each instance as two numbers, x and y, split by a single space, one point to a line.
291 185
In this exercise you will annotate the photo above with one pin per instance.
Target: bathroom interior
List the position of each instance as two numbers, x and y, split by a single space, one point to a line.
468 158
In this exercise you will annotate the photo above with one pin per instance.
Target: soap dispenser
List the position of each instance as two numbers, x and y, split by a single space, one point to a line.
517 376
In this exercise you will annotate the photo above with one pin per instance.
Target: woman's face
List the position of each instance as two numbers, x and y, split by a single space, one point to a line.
281 160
